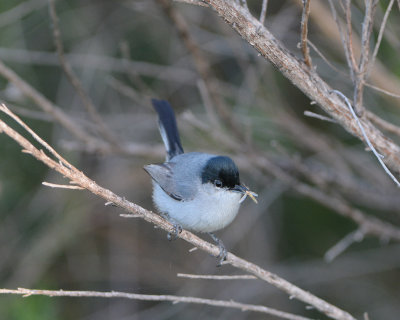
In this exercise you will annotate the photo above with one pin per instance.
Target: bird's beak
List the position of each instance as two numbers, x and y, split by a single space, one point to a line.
246 192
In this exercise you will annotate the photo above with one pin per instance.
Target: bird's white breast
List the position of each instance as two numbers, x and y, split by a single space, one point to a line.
211 209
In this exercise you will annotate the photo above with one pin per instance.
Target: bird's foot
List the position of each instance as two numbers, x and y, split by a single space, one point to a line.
222 250
174 234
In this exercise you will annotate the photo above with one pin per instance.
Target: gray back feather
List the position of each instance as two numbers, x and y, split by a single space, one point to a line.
180 177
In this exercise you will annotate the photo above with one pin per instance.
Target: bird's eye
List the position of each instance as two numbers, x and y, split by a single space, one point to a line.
218 183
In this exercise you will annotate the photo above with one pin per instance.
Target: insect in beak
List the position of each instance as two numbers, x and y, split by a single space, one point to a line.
246 192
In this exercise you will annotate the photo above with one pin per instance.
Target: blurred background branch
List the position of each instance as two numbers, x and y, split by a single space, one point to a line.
320 189
78 178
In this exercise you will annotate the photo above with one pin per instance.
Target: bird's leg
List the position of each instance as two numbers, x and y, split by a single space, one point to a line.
177 227
222 250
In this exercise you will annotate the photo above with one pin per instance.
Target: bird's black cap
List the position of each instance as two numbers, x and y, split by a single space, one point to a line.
222 172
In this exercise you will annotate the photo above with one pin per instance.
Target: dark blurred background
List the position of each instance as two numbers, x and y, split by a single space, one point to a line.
124 53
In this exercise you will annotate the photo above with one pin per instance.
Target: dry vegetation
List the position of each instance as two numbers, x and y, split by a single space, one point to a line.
324 159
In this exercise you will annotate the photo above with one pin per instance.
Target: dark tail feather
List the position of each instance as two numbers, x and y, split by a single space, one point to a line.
168 128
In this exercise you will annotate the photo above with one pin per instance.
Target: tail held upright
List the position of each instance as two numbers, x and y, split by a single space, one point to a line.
168 128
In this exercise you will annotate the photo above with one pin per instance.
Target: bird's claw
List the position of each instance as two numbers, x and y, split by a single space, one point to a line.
222 255
174 234
222 250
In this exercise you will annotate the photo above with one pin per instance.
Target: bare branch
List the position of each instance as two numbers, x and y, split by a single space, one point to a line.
342 35
309 82
324 58
263 12
73 79
215 277
201 63
332 200
61 186
152 297
101 62
361 71
383 123
394 95
193 2
367 140
318 116
349 38
304 32
8 112
46 105
380 36
342 245
80 179
19 11
327 25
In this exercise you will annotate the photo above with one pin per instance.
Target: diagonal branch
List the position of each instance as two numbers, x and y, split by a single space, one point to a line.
80 179
299 74
46 105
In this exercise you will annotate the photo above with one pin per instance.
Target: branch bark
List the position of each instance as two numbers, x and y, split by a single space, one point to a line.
302 77
153 297
79 178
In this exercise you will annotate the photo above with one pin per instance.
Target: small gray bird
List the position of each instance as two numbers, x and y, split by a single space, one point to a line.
195 191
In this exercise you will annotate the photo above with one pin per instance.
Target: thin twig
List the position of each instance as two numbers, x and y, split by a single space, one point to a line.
342 245
193 2
344 38
304 32
17 12
101 62
47 106
332 200
349 40
315 88
366 139
394 95
152 297
296 71
130 215
61 186
318 116
202 64
215 277
380 36
324 58
60 159
326 22
383 123
244 4
361 71
80 179
75 82
90 143
263 12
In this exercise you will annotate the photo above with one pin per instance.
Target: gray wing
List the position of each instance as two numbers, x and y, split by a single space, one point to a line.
163 174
